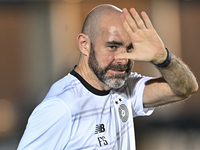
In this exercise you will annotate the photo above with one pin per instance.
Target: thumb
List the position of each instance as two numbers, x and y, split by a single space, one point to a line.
124 56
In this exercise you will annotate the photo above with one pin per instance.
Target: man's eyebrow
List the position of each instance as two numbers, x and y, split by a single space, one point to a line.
114 43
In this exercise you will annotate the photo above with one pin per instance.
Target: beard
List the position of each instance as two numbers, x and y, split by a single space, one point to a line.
114 80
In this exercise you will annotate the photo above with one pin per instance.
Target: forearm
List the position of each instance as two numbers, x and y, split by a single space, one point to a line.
179 77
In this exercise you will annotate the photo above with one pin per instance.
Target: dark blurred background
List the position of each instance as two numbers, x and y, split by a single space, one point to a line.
38 47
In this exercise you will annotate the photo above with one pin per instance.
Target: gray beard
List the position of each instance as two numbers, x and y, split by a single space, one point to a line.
113 81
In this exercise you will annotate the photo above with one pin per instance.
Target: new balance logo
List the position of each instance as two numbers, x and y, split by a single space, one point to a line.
99 128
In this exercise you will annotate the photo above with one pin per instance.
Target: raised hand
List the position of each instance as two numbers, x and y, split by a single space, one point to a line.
148 46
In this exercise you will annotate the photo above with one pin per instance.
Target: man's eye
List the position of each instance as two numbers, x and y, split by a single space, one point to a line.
113 47
130 49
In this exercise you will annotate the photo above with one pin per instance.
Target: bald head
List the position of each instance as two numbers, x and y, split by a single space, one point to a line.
93 21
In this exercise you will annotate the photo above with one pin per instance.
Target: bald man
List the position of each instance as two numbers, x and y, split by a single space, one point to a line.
94 105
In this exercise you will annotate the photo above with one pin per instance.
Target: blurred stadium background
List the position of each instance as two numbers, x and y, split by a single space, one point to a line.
38 46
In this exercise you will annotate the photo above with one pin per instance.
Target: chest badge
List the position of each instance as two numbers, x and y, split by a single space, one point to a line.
123 112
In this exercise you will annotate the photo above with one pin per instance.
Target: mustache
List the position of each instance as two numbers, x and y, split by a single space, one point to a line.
118 67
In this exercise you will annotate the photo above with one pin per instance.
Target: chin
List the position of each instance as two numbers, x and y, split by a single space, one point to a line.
115 83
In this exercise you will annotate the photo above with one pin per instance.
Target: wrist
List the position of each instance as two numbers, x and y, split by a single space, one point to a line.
166 62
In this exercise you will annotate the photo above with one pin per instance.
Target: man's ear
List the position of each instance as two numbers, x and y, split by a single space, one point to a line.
83 44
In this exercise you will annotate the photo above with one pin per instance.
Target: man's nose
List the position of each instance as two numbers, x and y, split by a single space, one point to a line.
122 61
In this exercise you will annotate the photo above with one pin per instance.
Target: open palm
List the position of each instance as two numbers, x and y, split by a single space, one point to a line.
148 46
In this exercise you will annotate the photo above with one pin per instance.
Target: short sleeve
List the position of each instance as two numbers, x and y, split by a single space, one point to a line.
48 127
137 85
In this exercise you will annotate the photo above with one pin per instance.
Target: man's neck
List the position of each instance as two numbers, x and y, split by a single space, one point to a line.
89 76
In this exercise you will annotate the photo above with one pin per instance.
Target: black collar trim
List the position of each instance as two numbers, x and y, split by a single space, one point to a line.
88 86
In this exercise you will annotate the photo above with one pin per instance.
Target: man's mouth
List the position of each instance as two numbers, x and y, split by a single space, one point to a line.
122 71
118 70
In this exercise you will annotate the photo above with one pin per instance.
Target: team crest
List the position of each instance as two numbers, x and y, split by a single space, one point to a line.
123 113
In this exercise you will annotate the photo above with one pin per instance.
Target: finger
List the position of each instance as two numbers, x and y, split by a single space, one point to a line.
123 56
146 20
126 26
137 18
129 20
126 56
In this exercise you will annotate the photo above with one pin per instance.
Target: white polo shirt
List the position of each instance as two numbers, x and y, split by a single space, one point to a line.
76 116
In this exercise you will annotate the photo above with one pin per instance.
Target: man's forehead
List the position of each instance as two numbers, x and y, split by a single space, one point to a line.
120 35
